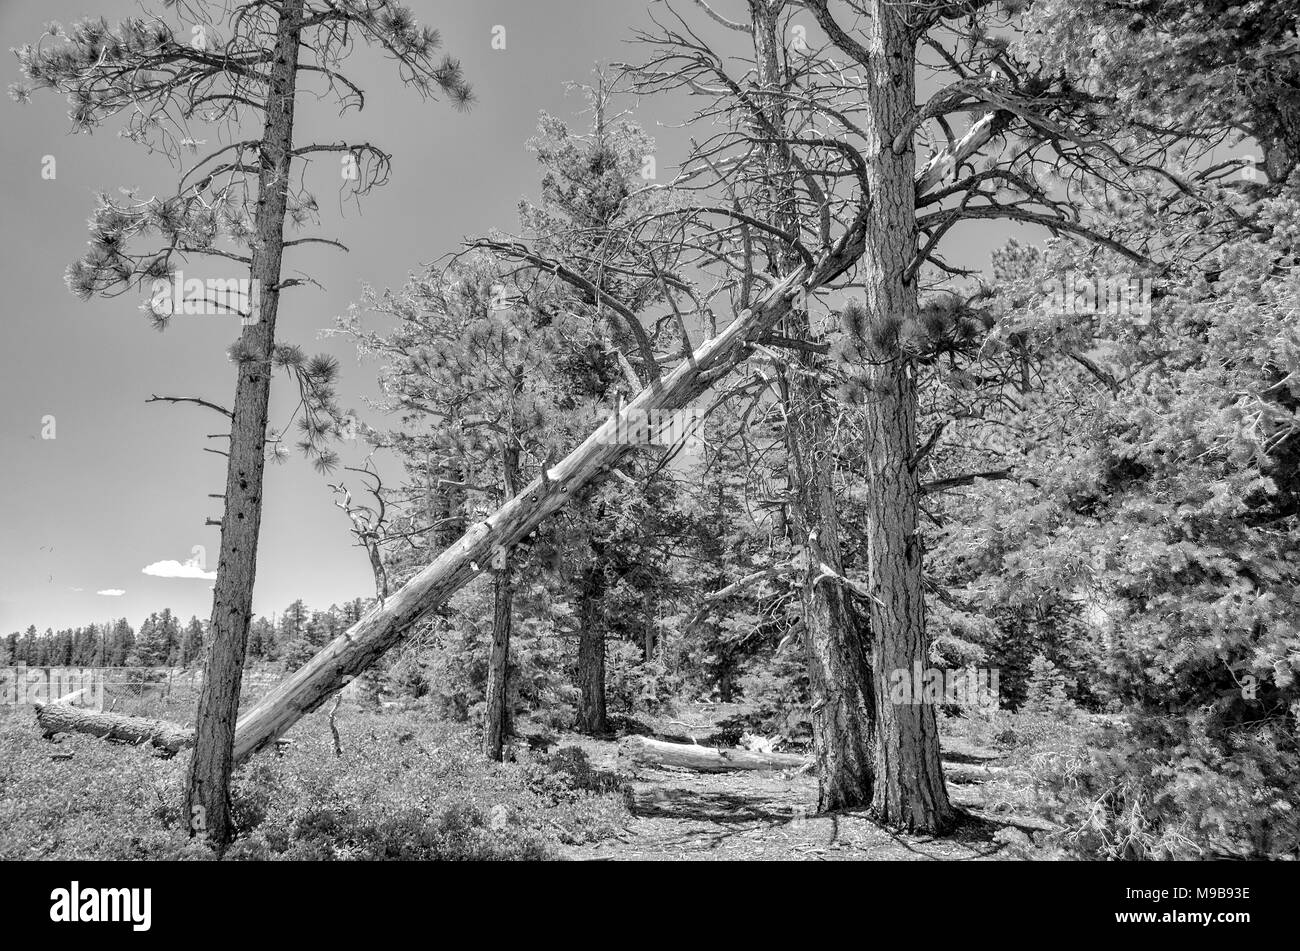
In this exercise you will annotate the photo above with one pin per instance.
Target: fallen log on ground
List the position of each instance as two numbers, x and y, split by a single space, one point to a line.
710 759
971 772
706 759
167 738
960 750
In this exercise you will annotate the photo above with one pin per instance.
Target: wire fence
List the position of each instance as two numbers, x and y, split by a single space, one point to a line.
134 691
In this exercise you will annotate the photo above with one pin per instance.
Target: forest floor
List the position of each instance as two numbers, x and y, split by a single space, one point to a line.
680 814
410 786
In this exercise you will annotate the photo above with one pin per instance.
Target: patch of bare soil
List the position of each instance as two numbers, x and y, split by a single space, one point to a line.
749 815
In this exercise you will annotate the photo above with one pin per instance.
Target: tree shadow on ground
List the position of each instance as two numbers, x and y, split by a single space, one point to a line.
719 807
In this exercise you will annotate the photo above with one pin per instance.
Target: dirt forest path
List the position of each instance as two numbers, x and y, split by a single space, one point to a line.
683 815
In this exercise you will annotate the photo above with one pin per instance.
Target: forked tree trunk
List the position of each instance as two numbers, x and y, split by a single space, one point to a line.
839 675
207 806
909 787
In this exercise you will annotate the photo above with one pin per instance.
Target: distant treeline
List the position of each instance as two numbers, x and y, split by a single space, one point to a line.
164 641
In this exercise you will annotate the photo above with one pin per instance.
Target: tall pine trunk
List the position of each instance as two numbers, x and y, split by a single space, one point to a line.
649 638
838 671
591 651
207 800
496 723
909 788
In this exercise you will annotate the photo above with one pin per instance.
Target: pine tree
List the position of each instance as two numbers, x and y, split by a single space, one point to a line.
261 641
485 373
1046 688
162 80
300 635
593 187
190 650
39 655
1203 63
886 235
734 576
512 374
85 646
60 653
121 644
150 648
26 653
170 631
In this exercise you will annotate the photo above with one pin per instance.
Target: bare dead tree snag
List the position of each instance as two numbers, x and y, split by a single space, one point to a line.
835 631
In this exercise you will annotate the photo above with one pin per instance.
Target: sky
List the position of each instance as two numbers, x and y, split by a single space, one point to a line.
122 486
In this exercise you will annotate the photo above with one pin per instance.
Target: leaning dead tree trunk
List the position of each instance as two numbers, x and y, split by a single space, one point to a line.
365 642
355 650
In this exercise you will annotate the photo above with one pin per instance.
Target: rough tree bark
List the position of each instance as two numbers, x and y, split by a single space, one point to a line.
166 738
206 799
838 671
496 723
908 778
591 651
649 640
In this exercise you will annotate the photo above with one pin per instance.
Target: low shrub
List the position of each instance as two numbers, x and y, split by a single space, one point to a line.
104 802
403 789
1164 789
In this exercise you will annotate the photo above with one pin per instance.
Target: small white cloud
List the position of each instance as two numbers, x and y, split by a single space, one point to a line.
174 569
111 592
